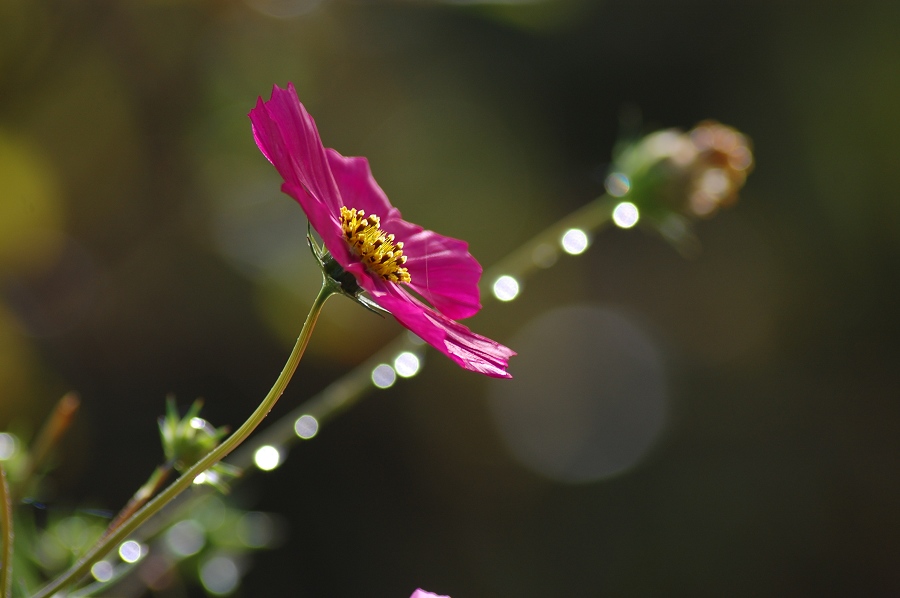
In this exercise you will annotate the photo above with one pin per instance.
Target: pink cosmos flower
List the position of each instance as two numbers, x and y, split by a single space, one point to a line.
420 593
387 256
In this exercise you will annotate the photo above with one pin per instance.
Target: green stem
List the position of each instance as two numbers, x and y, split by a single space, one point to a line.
144 493
84 564
521 262
6 541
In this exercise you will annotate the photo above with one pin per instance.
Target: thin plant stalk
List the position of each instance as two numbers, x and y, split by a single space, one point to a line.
525 259
6 540
156 480
84 564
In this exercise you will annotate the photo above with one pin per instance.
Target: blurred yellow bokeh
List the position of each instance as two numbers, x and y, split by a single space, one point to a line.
31 213
16 366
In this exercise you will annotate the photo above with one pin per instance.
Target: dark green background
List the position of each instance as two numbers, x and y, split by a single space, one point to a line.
777 472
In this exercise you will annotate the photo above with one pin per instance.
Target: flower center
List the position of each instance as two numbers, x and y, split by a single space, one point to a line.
376 250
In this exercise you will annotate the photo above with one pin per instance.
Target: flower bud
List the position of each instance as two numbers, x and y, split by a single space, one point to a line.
722 163
187 439
673 177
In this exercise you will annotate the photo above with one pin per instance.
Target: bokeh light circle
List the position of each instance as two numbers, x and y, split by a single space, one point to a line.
131 551
220 575
383 376
617 184
306 426
575 241
8 446
102 571
506 288
267 457
185 538
587 398
626 215
407 364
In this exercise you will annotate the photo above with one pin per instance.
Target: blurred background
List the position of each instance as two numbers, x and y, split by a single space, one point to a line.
724 425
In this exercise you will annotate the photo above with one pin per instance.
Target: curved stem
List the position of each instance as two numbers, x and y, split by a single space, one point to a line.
84 564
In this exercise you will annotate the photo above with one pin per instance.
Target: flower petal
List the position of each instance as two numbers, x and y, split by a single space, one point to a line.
420 593
471 351
441 268
287 136
358 188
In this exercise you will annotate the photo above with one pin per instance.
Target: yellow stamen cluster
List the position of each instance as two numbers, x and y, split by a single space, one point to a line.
376 250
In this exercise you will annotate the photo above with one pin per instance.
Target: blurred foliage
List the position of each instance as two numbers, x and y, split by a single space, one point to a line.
145 249
193 549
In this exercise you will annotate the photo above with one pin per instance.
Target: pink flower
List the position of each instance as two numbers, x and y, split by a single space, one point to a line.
420 593
387 256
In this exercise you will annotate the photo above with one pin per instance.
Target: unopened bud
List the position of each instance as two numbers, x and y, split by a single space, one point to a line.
723 161
187 439
671 177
